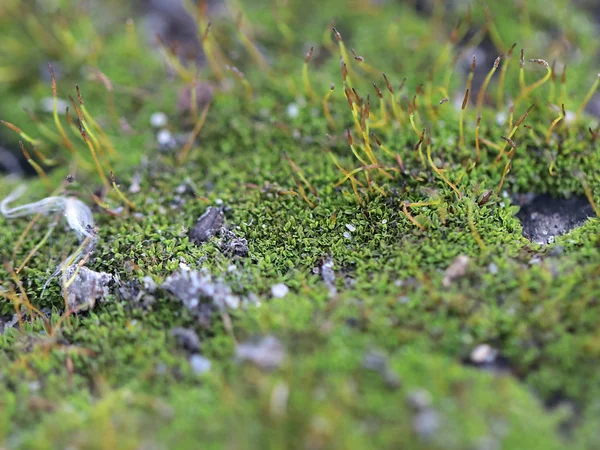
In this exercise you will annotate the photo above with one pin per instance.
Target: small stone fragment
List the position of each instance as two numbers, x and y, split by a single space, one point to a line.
193 288
207 226
165 140
419 399
426 423
279 290
135 186
456 270
483 354
267 353
85 287
329 275
159 120
292 110
233 245
200 364
186 339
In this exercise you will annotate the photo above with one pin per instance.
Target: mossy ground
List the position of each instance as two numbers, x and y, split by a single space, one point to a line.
115 377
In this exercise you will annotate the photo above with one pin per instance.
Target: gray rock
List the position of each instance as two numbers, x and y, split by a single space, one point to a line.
200 364
279 290
187 339
207 226
483 354
426 423
85 287
233 245
193 287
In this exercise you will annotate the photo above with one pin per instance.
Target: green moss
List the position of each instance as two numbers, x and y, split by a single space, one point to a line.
115 377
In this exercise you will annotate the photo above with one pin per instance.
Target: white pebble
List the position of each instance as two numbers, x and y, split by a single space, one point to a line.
483 353
158 120
350 227
279 290
165 138
199 364
293 111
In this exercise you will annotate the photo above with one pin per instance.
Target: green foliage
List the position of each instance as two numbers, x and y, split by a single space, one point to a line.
116 378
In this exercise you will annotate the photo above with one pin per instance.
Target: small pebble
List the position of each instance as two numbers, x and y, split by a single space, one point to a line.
158 120
165 139
293 111
419 399
426 423
200 364
456 270
279 290
350 227
483 354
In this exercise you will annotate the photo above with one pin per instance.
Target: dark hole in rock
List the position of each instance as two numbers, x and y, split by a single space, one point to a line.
544 217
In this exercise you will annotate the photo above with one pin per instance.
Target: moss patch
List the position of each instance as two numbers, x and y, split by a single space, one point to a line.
115 377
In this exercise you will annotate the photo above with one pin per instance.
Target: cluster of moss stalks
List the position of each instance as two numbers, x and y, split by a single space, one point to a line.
375 143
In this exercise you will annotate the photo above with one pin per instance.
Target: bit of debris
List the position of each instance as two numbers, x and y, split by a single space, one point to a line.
329 275
419 399
486 357
200 364
279 290
267 353
456 270
85 287
483 354
207 226
210 224
200 293
186 339
377 362
232 245
137 292
426 420
426 423
135 186
78 215
292 111
159 120
166 141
